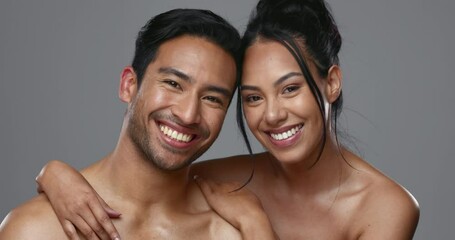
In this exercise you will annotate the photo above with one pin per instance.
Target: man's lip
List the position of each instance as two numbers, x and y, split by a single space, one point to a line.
172 141
177 127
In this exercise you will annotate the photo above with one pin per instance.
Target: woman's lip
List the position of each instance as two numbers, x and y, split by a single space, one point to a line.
286 142
284 129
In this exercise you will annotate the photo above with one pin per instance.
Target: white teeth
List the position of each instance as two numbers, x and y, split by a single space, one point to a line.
287 134
181 137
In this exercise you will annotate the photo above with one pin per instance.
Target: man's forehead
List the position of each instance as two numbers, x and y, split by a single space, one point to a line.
187 43
195 58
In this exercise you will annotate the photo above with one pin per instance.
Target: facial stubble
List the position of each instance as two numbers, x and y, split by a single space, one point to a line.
141 138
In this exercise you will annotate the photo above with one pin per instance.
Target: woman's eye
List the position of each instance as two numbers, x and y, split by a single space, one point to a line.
290 89
252 98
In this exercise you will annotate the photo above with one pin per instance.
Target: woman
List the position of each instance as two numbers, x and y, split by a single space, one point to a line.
309 186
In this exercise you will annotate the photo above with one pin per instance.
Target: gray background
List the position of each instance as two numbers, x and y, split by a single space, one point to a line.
60 63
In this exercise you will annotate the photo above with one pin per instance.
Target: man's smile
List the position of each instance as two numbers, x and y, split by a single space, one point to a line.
176 135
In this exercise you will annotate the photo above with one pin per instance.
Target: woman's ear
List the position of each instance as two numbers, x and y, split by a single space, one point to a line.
128 85
334 83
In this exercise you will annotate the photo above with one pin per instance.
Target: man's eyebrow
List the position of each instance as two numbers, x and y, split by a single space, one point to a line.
224 91
169 70
276 83
173 71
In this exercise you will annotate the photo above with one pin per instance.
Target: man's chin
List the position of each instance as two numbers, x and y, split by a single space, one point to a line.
164 165
172 159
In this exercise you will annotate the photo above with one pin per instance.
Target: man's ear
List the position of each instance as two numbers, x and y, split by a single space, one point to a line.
334 82
128 85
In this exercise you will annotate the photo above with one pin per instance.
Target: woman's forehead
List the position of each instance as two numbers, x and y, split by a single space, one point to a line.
267 60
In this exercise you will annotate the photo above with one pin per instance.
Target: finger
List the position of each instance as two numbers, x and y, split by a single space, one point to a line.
103 218
39 189
110 212
90 219
209 190
69 229
204 185
85 228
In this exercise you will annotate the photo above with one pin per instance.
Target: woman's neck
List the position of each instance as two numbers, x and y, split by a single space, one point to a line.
314 175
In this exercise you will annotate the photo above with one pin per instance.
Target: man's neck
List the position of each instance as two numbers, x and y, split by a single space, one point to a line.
153 202
129 176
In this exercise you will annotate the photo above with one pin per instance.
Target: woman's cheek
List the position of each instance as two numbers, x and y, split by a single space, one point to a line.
254 117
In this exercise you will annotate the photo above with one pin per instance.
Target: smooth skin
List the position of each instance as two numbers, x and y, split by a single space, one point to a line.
341 196
335 196
187 88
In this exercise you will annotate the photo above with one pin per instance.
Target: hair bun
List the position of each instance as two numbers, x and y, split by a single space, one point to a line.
288 7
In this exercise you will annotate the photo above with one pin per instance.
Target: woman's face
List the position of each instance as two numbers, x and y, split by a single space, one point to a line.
279 107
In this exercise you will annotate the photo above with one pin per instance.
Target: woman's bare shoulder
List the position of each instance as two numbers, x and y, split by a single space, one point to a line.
379 188
230 169
386 207
386 195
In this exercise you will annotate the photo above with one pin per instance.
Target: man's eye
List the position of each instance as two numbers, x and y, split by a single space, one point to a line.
252 98
214 99
173 84
290 89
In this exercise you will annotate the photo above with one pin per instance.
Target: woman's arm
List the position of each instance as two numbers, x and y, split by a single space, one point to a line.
241 208
76 203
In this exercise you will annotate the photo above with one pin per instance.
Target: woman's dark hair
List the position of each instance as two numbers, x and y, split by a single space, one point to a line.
307 29
178 22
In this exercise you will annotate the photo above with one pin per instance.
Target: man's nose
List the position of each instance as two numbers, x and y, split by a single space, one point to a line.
188 110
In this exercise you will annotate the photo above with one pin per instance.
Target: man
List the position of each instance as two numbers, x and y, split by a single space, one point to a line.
178 90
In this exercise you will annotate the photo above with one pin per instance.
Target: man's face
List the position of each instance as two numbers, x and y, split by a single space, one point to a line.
180 106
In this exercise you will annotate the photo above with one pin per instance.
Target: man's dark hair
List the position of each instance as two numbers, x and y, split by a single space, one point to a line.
179 22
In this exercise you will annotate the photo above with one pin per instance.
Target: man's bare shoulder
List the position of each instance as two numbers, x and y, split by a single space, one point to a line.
222 230
34 219
205 225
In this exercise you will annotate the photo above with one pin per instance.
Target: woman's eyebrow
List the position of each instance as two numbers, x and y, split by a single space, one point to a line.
276 83
286 77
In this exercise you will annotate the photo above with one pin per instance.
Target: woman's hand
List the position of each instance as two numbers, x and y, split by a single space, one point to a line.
76 203
241 208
